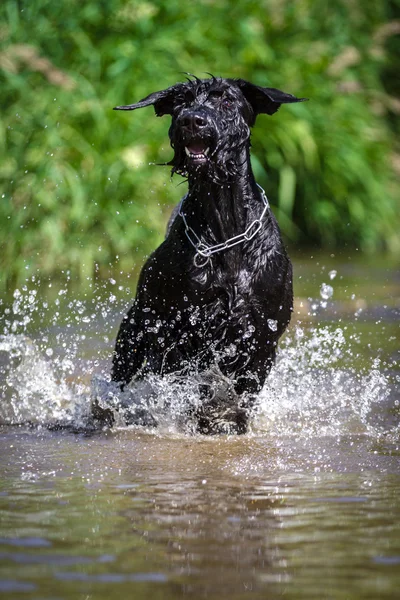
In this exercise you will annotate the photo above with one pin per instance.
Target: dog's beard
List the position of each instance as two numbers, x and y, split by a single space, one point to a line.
224 161
221 166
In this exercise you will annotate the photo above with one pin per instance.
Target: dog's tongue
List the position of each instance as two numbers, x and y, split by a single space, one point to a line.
196 147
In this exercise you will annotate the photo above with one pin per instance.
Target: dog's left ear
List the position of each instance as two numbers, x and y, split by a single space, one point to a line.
163 101
265 100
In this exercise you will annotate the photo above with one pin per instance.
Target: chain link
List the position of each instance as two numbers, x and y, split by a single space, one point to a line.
205 252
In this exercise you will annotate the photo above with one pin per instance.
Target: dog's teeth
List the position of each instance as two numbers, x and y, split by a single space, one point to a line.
197 154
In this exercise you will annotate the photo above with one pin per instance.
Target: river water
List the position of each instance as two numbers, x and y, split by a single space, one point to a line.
306 505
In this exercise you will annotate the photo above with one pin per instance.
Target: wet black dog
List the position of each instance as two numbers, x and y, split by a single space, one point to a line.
214 298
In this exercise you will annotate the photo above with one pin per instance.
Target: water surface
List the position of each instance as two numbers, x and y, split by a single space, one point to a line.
304 506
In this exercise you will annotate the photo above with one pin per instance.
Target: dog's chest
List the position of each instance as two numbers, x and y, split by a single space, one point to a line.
225 301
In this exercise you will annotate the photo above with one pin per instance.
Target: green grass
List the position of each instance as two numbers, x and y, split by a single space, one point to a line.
76 186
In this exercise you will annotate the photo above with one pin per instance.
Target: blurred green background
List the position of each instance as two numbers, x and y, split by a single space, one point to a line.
78 191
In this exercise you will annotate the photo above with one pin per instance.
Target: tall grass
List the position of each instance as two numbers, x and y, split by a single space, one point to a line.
77 188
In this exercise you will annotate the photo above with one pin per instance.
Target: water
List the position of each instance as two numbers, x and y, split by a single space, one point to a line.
304 506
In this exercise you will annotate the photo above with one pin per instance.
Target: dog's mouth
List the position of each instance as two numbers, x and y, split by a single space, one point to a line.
197 151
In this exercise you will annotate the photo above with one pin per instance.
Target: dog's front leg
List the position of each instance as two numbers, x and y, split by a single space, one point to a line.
130 352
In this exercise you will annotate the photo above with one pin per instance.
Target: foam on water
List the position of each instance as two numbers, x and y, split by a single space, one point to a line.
307 392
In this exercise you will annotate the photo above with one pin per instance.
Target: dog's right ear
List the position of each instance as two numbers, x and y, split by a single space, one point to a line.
163 101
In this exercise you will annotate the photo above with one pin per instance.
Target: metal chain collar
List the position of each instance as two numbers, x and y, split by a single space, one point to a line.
204 252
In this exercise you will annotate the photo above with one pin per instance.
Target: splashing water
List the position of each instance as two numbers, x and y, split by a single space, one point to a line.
307 393
31 391
53 384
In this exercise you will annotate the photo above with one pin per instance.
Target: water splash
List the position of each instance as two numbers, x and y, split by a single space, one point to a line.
31 392
309 391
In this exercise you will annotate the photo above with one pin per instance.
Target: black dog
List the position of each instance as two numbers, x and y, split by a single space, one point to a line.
216 296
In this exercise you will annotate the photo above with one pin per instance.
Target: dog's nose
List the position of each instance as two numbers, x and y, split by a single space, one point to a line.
194 121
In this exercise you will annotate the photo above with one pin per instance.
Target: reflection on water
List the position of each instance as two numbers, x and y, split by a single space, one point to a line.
304 506
136 514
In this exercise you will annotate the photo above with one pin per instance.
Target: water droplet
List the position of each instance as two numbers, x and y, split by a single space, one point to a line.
272 324
231 350
326 291
250 330
332 274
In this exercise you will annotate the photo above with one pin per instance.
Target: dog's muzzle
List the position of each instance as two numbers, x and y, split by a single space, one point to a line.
195 128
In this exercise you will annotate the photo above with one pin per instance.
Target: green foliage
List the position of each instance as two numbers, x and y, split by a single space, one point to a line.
76 185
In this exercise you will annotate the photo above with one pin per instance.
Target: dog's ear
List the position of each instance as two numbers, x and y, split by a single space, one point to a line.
265 100
163 101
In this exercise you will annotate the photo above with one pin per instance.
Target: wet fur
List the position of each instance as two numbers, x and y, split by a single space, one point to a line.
219 322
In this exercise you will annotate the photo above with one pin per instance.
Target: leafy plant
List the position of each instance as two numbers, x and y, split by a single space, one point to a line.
77 188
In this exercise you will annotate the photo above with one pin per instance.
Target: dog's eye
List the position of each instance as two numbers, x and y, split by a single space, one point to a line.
226 102
220 98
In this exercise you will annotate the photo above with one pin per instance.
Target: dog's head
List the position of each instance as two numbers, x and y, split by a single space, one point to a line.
211 120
